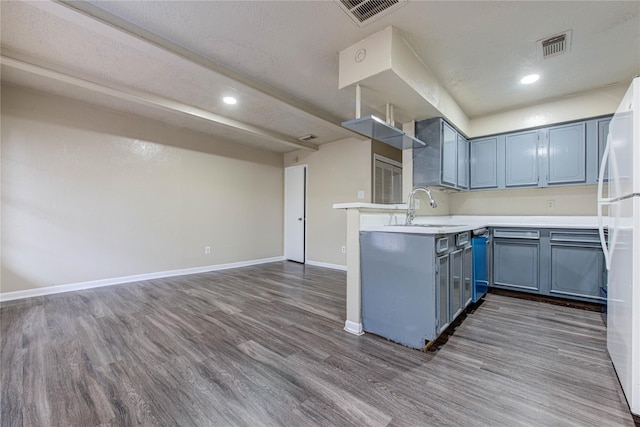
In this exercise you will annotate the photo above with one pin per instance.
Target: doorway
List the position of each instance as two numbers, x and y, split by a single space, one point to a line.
295 213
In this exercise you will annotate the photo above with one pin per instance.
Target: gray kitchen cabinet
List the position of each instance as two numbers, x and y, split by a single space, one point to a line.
449 155
467 263
400 288
412 285
577 264
442 293
565 263
515 259
521 159
602 128
457 283
439 162
483 162
566 154
463 163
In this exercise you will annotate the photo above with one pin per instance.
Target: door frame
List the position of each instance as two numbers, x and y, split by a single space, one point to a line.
306 210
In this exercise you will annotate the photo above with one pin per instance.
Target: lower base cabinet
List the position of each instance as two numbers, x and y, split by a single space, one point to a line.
577 265
467 261
401 290
442 293
566 263
516 264
413 285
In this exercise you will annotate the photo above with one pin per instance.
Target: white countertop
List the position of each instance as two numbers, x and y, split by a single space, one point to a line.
459 223
390 218
373 206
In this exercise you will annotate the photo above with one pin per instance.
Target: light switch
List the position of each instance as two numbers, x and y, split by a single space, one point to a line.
360 194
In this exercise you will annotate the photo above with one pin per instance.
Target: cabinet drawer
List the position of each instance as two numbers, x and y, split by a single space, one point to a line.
517 234
442 245
575 236
462 238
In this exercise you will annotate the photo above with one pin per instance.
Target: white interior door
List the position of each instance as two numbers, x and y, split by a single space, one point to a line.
295 194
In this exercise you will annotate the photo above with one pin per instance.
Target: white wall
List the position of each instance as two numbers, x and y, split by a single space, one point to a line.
91 194
336 172
575 107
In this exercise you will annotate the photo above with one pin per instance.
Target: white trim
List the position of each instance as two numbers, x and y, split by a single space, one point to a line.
353 327
29 293
327 265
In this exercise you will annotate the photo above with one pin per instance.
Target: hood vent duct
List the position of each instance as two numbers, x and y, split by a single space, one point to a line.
364 11
555 45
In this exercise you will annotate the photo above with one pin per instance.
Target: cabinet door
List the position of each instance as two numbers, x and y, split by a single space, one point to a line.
483 163
456 283
442 293
467 262
515 264
463 163
603 133
576 271
521 159
566 154
449 155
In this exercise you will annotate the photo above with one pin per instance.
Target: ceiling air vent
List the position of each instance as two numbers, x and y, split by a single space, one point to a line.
555 45
364 11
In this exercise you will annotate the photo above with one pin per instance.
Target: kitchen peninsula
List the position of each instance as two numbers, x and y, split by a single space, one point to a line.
529 247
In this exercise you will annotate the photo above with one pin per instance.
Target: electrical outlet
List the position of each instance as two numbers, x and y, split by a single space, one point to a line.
207 250
416 203
551 204
343 249
360 194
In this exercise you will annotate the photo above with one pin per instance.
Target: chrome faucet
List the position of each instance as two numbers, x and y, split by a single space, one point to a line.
411 210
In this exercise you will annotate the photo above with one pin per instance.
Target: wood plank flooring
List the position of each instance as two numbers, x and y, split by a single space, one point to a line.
264 345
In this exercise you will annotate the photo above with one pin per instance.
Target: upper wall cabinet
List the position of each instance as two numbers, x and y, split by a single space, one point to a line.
484 162
602 126
444 160
567 154
521 159
463 162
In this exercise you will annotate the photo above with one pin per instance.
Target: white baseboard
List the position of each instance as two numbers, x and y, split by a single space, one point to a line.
326 265
353 327
29 293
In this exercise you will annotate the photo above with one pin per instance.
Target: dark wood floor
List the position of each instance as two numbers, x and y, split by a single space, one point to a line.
264 345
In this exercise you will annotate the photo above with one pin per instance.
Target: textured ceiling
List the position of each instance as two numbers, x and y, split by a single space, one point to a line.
289 50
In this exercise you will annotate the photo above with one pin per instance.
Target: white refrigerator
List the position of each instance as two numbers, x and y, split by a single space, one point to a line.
621 209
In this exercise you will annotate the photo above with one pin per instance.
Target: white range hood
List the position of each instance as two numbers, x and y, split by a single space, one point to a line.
376 128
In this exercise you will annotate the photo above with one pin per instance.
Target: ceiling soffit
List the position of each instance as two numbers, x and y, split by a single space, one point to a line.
265 114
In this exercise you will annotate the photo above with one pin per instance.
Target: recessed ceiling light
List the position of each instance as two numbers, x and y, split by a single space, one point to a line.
531 78
229 100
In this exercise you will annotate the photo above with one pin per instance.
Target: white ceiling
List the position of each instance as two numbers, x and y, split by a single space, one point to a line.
174 60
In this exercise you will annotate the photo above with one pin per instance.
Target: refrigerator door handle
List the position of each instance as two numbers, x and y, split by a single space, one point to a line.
603 202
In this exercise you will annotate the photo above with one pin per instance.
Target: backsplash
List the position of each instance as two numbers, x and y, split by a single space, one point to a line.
574 200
